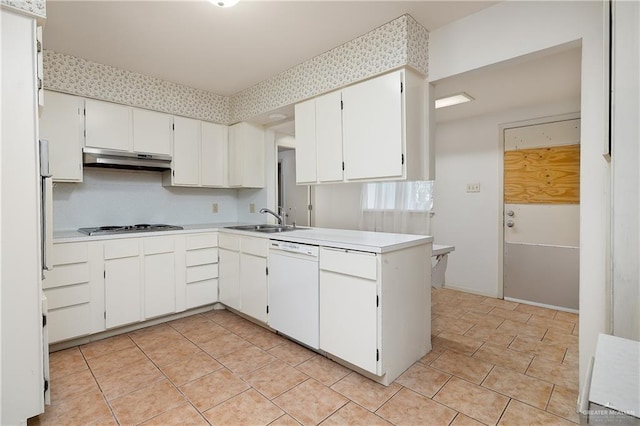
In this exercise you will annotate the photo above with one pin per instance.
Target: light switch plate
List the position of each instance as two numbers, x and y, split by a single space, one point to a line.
252 208
473 187
214 208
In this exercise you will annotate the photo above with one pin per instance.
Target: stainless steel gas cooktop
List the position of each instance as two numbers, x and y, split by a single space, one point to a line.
143 227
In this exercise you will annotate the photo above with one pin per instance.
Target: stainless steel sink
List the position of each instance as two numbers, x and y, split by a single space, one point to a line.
263 228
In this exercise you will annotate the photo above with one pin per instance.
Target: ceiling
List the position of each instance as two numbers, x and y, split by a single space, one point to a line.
224 50
552 75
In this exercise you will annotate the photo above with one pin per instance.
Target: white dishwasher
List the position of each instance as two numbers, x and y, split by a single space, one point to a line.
294 291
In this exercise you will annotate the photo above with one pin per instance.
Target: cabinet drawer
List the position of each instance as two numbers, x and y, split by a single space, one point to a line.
157 245
202 241
202 256
255 246
67 323
122 248
202 293
229 242
358 264
64 254
64 275
68 296
202 272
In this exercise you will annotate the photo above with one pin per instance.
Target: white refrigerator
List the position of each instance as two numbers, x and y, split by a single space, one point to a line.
23 217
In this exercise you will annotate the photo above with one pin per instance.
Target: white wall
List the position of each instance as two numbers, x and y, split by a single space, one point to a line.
625 179
123 197
511 29
336 206
469 151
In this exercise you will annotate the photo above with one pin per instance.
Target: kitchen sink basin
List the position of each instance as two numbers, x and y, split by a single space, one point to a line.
263 228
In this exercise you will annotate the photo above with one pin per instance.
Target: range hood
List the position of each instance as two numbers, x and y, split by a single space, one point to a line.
98 157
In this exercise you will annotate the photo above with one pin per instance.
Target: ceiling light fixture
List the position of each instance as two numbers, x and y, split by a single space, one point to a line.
276 116
456 99
224 3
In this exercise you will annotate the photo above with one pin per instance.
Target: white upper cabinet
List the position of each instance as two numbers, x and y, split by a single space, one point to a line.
319 139
152 132
62 124
108 125
371 131
186 152
246 156
213 155
329 137
373 128
199 154
306 168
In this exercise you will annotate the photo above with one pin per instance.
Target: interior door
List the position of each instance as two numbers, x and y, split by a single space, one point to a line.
542 213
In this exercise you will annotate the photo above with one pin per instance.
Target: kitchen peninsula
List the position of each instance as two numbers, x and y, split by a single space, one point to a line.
374 288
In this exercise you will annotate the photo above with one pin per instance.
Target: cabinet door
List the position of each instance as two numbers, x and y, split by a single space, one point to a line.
372 128
305 123
229 278
152 132
246 156
235 154
348 319
213 155
329 137
159 276
107 125
253 286
186 152
123 284
62 124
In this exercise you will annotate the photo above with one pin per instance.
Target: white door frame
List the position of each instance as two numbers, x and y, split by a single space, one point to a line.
500 218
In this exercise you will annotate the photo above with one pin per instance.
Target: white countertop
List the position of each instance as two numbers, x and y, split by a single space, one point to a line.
376 242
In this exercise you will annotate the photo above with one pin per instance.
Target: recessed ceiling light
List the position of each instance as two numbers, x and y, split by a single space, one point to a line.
275 116
224 3
456 99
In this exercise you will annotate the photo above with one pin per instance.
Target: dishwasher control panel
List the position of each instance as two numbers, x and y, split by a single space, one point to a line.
294 247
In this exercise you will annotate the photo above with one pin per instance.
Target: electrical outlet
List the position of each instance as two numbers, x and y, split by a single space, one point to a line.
214 208
473 187
252 208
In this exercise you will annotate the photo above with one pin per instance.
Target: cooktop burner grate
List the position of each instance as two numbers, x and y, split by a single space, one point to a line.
143 227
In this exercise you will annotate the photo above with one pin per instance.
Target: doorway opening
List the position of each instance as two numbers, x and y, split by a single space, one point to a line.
294 199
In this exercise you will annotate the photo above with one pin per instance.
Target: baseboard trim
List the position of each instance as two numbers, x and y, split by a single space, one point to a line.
542 305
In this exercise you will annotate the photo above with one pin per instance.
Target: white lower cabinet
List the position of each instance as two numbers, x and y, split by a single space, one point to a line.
101 285
159 276
122 282
68 292
253 285
229 277
201 270
243 274
349 314
375 309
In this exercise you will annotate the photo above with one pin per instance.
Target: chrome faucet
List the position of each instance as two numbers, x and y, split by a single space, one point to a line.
279 217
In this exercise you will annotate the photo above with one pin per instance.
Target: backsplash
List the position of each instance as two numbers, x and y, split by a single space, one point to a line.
400 42
119 197
34 7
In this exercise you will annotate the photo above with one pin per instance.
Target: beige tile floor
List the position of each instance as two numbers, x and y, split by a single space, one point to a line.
493 362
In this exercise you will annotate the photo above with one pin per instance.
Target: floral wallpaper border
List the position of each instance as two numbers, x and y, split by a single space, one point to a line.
34 7
398 43
66 73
